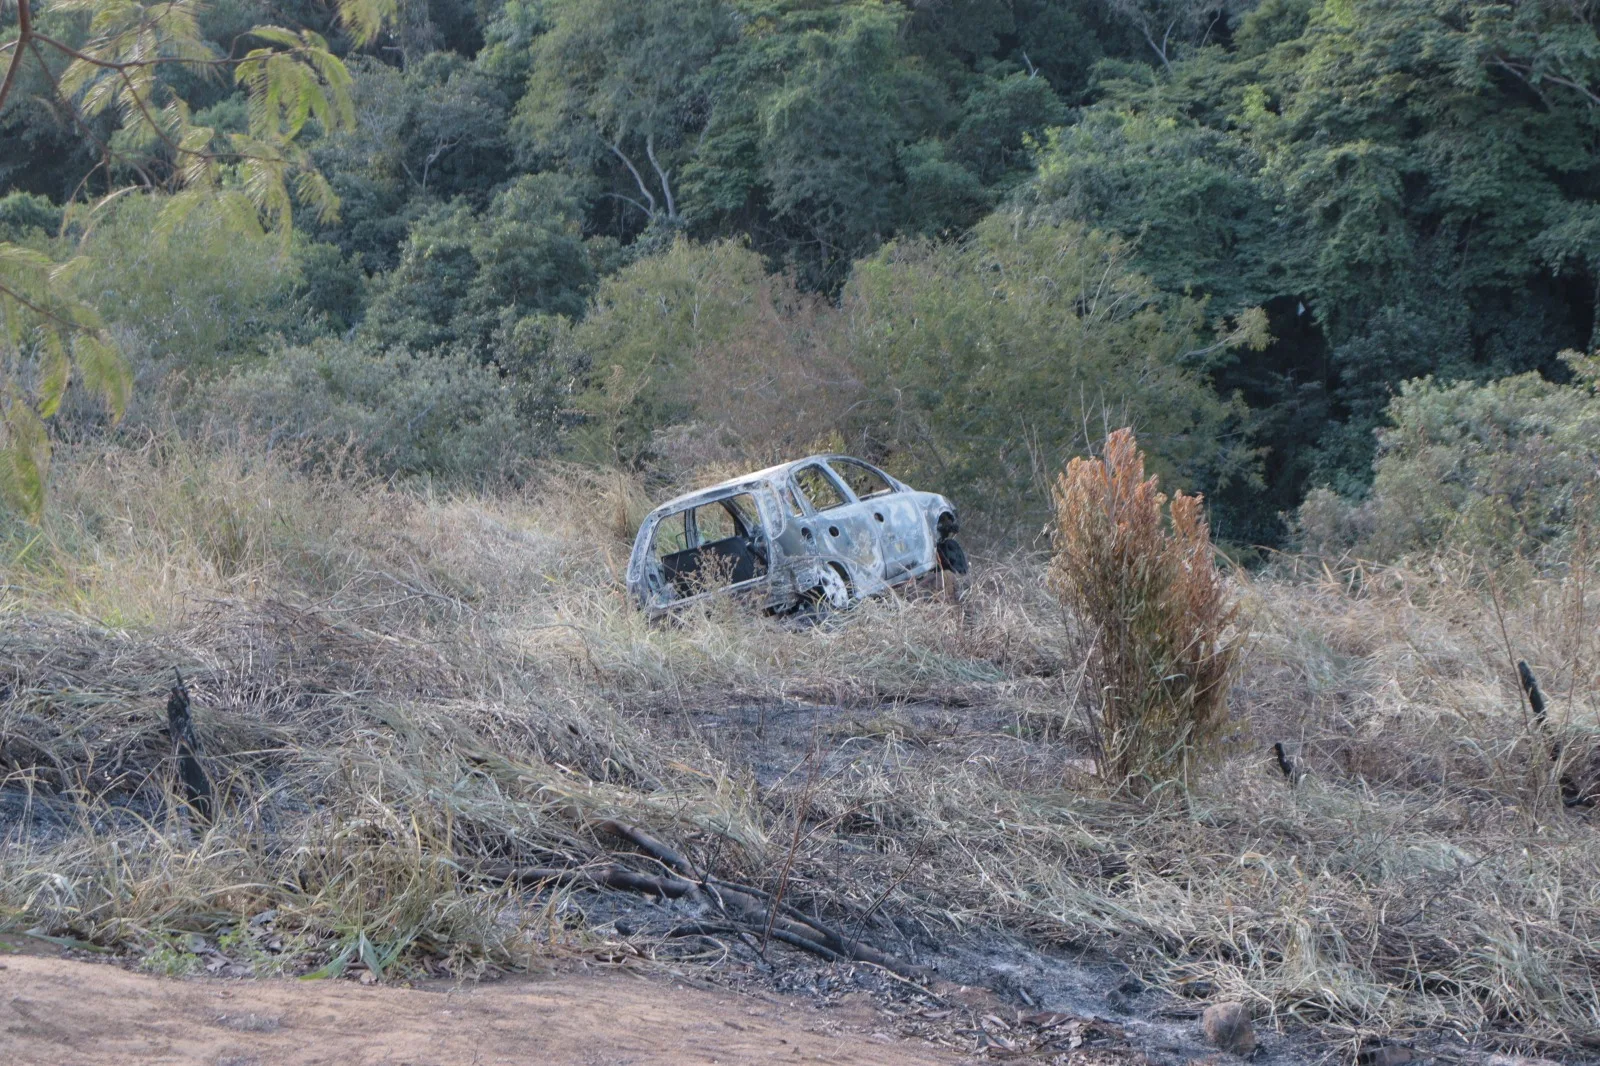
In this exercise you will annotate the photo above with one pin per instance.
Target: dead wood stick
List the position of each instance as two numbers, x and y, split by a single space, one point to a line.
761 895
647 844
617 877
780 933
744 911
186 750
673 859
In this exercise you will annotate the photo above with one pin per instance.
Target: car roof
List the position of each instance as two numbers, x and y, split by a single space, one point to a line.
745 481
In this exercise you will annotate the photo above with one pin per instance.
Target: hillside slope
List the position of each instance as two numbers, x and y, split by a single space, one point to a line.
407 699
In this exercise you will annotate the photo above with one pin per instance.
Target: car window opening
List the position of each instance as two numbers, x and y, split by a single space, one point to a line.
864 481
815 484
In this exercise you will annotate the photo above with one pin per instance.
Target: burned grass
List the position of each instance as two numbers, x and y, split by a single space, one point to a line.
401 697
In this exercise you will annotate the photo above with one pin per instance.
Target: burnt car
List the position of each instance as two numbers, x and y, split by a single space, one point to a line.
815 534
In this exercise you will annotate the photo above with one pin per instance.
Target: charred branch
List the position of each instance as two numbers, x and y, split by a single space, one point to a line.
744 908
1530 687
186 750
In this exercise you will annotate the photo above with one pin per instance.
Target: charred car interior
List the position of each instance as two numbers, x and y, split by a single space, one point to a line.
818 533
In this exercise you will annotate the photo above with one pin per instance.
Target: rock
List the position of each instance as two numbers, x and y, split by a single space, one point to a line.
969 996
1386 1055
1227 1027
1117 1000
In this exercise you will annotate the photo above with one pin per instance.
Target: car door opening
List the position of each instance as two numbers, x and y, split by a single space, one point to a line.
712 546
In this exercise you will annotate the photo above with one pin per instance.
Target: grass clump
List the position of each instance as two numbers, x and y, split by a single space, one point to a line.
1162 644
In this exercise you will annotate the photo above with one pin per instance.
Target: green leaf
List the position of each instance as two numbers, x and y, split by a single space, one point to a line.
369 955
24 458
336 966
104 370
364 18
55 372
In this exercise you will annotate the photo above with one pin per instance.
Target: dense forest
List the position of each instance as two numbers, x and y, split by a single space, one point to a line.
963 237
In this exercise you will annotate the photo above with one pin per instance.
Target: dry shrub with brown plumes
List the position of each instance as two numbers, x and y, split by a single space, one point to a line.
1155 610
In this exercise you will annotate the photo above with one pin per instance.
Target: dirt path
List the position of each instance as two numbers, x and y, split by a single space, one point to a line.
59 1012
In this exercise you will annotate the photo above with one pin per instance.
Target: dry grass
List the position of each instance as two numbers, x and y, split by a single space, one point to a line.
397 689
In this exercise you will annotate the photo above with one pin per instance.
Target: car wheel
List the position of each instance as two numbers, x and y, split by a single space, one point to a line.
951 556
833 591
831 595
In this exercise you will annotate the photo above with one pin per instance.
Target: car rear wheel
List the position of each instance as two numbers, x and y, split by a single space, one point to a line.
831 595
833 591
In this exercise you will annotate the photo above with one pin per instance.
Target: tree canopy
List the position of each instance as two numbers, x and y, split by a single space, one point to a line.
1324 199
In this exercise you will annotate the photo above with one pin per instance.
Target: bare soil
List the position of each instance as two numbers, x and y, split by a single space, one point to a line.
65 1012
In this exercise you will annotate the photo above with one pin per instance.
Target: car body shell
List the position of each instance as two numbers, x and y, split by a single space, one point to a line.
871 542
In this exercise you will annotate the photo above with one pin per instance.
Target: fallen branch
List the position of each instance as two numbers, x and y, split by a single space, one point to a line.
647 844
747 909
616 877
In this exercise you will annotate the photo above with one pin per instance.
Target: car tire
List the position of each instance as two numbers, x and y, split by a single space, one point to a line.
952 556
832 595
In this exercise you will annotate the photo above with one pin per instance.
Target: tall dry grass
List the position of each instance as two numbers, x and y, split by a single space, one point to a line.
398 690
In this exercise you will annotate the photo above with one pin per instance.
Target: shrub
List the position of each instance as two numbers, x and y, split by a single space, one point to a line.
699 355
1505 469
199 300
1154 609
990 357
442 414
24 215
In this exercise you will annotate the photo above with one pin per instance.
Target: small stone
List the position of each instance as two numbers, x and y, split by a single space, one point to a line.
1117 1000
1389 1055
1227 1027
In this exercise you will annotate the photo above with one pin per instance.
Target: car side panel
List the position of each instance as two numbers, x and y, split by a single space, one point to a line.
844 536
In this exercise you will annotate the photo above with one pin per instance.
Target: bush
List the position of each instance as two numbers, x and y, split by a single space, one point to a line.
199 299
698 355
990 358
1155 612
24 215
1503 470
396 412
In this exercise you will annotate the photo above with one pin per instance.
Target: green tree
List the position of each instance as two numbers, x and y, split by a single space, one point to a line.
995 359
115 69
1404 185
460 272
430 133
617 86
